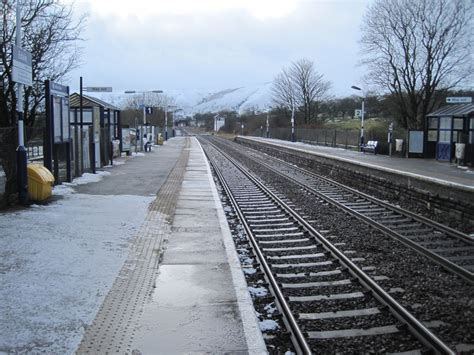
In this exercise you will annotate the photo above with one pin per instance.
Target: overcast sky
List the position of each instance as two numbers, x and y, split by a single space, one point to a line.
216 44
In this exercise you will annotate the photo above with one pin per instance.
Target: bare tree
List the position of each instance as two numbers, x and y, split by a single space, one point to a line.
50 33
158 101
148 98
311 88
283 91
300 87
416 50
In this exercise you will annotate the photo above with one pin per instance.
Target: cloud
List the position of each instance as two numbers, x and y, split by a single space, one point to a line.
261 9
219 44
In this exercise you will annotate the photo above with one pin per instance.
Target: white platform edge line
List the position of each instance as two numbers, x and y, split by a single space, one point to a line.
253 335
363 164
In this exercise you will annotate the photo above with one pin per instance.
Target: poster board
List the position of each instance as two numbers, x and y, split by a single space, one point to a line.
96 124
415 143
126 141
59 113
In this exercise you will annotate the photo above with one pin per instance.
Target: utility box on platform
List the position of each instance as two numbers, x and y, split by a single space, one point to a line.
40 182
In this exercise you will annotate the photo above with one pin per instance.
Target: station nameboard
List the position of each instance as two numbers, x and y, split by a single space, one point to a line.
59 112
22 72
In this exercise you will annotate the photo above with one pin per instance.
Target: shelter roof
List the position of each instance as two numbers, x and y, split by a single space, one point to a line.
462 110
89 101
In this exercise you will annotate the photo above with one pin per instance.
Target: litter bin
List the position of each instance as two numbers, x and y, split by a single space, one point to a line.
40 182
398 145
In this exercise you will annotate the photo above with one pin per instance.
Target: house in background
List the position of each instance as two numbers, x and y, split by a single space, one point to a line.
219 122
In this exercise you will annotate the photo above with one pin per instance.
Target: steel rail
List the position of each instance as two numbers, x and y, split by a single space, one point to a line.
450 266
448 230
419 330
298 339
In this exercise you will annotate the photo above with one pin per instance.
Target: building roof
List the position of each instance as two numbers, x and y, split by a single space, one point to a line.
89 101
462 110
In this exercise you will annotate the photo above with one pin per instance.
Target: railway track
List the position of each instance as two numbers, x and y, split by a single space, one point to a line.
449 248
328 304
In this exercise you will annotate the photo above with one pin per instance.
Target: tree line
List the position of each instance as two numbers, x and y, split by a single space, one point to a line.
415 52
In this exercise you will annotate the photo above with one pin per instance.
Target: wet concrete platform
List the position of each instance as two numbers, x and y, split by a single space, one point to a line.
429 170
181 290
201 303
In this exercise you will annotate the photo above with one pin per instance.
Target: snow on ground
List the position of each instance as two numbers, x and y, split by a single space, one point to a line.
57 263
242 99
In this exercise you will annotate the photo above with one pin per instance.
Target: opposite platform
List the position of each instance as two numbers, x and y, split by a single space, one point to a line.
430 170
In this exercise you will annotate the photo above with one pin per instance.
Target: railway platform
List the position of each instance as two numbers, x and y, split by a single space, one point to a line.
429 170
140 262
181 289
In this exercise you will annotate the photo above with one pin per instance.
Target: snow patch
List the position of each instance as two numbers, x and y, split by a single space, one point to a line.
87 178
258 291
57 263
268 324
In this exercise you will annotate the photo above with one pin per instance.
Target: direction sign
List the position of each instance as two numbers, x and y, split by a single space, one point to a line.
459 100
22 66
98 89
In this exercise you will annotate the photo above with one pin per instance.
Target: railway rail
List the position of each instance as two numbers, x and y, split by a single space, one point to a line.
328 303
449 248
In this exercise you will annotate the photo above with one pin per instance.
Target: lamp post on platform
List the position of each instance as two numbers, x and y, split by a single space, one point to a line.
143 100
144 109
293 123
362 115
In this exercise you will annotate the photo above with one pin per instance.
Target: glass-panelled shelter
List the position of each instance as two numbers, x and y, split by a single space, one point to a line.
447 126
100 125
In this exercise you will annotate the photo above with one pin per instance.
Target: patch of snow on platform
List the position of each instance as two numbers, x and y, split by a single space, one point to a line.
62 190
57 263
66 187
116 163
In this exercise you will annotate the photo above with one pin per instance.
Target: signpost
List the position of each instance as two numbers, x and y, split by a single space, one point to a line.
22 72
22 75
389 138
97 89
459 100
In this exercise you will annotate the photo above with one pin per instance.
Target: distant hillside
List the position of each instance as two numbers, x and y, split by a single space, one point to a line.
191 101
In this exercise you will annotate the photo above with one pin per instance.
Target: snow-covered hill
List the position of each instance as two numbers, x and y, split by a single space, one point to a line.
190 101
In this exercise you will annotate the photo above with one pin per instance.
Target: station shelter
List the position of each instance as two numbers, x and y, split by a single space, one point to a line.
447 126
100 126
